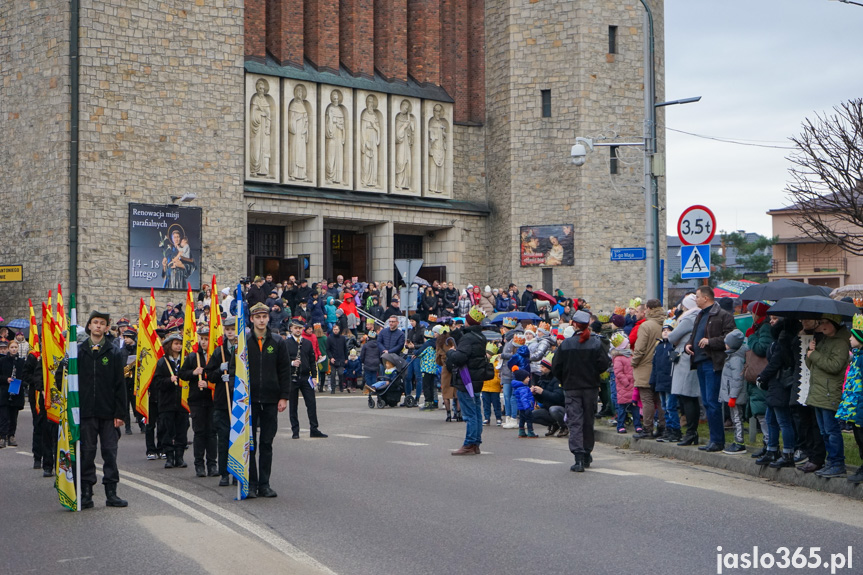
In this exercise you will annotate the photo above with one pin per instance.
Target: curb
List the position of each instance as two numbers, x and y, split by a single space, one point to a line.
737 463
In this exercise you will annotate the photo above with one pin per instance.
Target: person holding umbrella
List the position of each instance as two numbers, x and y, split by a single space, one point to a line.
827 361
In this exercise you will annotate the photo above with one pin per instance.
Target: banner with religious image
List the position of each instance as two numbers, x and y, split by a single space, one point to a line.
546 246
164 247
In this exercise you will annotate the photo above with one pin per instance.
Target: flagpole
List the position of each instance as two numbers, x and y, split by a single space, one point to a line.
74 326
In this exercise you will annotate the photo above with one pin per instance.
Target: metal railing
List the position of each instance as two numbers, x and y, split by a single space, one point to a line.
809 266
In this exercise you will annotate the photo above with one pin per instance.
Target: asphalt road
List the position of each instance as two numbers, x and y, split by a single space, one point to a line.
383 495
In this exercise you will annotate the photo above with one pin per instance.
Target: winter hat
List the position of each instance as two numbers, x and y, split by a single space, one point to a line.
581 317
529 336
759 308
521 375
226 291
834 319
93 315
726 303
546 361
509 322
487 289
857 327
689 302
568 332
734 339
475 316
618 320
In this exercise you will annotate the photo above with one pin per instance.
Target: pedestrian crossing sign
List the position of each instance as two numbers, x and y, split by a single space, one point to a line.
695 261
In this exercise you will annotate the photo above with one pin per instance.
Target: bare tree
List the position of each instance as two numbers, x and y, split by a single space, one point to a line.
827 173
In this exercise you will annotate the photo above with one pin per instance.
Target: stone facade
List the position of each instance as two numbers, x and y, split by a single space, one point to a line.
562 46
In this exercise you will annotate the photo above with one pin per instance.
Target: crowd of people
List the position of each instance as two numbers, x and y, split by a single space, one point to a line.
660 371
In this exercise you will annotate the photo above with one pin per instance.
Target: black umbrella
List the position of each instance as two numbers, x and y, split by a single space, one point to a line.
819 304
774 291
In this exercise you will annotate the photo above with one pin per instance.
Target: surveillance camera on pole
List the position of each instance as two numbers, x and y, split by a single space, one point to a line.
579 151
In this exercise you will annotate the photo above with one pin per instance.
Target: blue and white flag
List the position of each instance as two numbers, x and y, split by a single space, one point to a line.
239 445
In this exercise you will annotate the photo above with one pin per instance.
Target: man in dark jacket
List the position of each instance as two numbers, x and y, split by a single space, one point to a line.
301 355
391 339
549 395
707 348
201 407
392 310
269 390
44 430
370 356
577 364
102 396
470 352
220 372
173 417
257 294
337 352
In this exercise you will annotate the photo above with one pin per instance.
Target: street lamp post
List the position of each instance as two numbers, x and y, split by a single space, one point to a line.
851 2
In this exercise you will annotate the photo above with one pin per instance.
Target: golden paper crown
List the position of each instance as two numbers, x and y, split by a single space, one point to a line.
858 302
858 322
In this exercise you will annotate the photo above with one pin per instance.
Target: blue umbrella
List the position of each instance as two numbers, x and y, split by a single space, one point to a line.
19 324
519 315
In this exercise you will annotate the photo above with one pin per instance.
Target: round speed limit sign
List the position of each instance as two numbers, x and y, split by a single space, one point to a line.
697 226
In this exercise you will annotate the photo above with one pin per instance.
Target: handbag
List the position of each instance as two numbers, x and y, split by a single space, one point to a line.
753 366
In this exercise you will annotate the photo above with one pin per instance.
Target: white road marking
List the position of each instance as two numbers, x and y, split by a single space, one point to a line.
614 472
74 559
351 436
23 453
408 443
258 531
539 461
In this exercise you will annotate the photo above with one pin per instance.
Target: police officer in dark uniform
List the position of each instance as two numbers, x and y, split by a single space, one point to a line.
269 389
201 407
102 396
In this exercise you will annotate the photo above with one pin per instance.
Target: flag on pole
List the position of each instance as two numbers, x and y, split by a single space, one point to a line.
217 332
147 356
190 343
60 317
33 341
73 410
240 438
64 481
52 354
153 304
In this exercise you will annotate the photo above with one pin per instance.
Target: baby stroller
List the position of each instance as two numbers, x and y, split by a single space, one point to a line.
391 392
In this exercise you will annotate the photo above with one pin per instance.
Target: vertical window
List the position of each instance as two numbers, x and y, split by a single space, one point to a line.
546 103
612 39
791 252
612 162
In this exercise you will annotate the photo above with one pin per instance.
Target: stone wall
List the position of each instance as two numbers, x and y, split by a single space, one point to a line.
34 149
562 46
162 114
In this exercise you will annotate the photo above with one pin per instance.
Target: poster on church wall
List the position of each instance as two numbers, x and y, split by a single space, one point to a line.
546 246
164 247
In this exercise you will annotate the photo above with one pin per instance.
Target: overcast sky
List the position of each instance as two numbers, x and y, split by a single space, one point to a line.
761 67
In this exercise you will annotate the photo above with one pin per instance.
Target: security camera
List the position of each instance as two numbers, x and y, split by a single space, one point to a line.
578 154
579 151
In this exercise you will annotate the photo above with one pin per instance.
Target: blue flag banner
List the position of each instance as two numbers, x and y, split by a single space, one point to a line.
239 445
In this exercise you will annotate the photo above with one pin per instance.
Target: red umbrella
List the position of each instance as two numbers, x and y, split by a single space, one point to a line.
539 294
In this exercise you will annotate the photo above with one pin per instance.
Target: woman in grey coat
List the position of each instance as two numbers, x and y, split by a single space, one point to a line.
684 380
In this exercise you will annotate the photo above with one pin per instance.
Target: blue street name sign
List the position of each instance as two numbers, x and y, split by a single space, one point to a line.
628 254
695 262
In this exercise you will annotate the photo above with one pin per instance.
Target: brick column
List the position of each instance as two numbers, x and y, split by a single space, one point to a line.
356 36
381 236
424 40
321 33
285 31
307 237
391 57
255 28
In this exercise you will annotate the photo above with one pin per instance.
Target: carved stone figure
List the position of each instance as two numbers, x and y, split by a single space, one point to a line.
404 134
438 134
298 135
260 120
370 126
335 135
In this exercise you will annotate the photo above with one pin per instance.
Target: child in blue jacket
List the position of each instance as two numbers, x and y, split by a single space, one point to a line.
524 399
660 382
353 370
520 359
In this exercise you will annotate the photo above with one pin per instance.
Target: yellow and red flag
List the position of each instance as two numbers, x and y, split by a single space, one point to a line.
33 341
190 343
147 356
217 332
53 348
60 317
